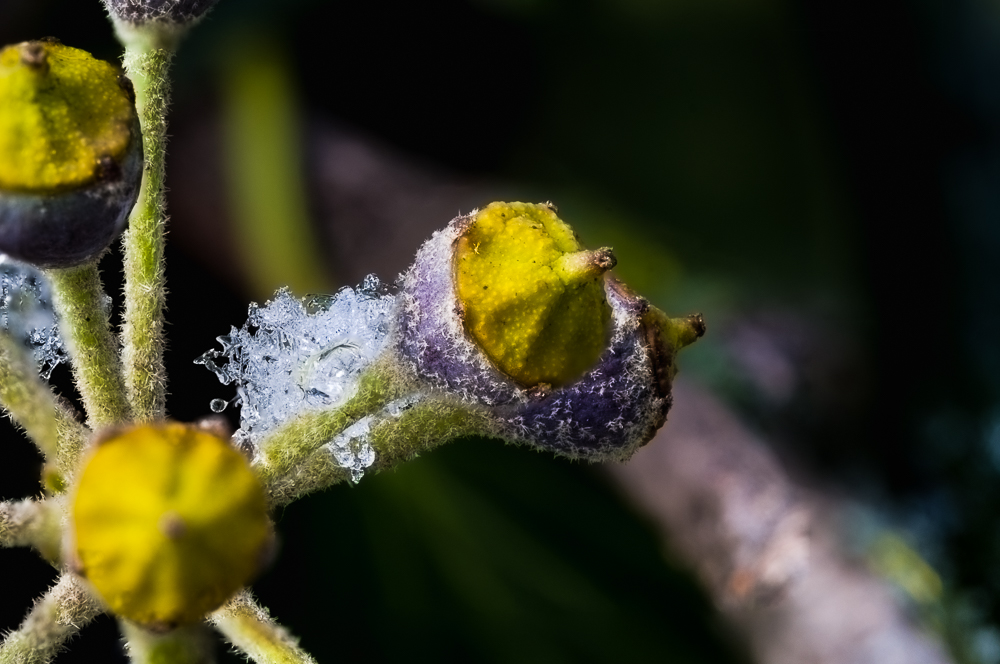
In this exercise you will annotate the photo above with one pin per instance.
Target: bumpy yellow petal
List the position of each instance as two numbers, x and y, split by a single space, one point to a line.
169 521
64 116
533 299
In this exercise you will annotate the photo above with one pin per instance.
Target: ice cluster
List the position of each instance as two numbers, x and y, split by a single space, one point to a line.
26 313
295 355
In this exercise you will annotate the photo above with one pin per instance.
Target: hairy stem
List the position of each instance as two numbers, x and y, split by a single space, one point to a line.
93 350
289 445
26 397
395 440
34 523
190 644
55 618
143 242
249 627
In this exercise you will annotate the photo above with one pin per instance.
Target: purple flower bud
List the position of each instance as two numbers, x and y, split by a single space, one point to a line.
612 409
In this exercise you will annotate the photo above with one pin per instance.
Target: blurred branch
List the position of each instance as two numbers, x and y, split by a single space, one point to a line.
767 551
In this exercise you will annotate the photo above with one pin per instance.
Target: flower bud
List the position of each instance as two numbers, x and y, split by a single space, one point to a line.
505 308
70 154
169 521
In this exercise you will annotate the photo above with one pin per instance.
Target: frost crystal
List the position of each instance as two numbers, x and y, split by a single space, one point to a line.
351 448
293 356
26 313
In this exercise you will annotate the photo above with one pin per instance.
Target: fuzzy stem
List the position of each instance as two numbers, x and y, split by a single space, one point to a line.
49 421
34 523
292 443
26 397
184 645
143 241
56 617
394 439
249 627
79 301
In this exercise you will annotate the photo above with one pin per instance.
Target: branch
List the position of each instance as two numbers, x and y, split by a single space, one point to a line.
33 523
189 644
759 544
49 422
56 617
252 630
93 349
143 241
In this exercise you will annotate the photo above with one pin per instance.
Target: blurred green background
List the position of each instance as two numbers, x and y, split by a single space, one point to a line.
821 179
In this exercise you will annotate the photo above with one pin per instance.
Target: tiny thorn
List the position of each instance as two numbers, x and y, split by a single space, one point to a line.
583 265
33 55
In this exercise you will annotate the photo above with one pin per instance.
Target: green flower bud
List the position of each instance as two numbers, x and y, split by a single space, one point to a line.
70 154
168 522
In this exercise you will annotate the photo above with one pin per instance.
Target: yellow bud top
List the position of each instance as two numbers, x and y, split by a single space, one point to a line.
533 298
169 522
63 115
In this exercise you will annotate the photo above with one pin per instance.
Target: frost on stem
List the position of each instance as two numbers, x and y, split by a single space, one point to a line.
503 327
26 313
297 356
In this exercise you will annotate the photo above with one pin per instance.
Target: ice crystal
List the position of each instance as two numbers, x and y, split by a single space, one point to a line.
26 312
351 448
293 356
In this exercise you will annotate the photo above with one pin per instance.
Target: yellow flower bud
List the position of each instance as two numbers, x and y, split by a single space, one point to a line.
533 299
70 153
63 113
169 521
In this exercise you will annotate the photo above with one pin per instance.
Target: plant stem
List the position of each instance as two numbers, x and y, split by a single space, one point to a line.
189 644
26 397
395 439
34 523
83 321
48 420
143 241
251 629
289 445
55 618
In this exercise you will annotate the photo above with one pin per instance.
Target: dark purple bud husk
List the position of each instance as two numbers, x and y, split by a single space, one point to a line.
71 156
70 228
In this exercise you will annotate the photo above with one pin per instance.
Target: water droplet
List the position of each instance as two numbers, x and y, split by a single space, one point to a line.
218 405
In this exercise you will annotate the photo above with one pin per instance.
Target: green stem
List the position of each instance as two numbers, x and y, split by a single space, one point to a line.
79 301
26 397
249 627
35 523
49 421
289 445
55 618
143 241
183 645
395 440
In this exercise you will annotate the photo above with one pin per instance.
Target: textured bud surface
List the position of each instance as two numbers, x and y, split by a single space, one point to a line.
608 382
63 118
70 154
169 521
532 298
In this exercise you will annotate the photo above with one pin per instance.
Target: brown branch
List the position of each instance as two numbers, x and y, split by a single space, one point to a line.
765 549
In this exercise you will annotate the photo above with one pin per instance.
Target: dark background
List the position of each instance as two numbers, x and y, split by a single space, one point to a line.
822 178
